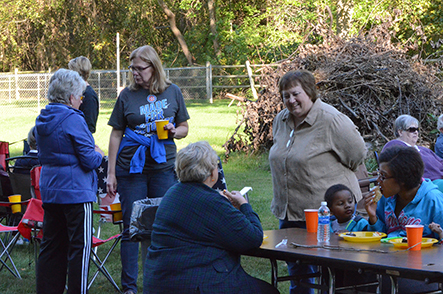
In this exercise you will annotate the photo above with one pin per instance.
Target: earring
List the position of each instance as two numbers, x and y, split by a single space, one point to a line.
213 180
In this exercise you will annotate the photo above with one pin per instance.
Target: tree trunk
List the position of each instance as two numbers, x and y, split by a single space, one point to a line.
213 26
345 9
176 31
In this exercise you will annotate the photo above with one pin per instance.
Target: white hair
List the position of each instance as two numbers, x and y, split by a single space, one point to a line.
63 84
195 162
440 122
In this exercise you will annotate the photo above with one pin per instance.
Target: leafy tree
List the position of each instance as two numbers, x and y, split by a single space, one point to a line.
43 34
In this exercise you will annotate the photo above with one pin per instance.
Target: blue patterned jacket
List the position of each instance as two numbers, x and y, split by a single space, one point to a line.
196 241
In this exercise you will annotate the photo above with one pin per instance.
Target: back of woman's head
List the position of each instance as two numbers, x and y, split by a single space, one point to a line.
329 194
301 78
405 165
195 162
440 122
158 81
31 139
63 84
403 122
82 65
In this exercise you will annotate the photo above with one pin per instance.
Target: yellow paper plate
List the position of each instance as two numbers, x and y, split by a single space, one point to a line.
362 236
425 242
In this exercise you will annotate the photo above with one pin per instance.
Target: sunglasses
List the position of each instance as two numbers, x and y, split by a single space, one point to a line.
412 130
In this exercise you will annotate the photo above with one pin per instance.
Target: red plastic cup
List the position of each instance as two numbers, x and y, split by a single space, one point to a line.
311 216
414 234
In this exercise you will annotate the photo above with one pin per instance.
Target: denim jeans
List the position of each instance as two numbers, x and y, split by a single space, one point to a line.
297 269
133 187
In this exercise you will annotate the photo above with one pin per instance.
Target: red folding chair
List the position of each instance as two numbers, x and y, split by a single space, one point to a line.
6 249
4 153
31 225
96 242
7 243
100 263
35 182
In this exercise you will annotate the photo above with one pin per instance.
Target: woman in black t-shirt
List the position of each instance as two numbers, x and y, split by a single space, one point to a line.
140 165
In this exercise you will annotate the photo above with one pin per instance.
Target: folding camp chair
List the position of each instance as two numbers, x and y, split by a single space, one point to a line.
4 153
100 263
35 182
21 182
96 242
6 248
31 225
7 243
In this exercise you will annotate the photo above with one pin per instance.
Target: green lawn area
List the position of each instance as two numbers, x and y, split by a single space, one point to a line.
211 122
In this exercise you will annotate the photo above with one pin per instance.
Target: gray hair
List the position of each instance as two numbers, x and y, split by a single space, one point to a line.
63 84
440 122
195 162
403 122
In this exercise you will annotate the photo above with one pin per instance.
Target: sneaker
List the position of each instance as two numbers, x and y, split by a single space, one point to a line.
19 241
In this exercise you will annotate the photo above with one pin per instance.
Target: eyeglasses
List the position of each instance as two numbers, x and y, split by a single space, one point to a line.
138 69
382 177
412 130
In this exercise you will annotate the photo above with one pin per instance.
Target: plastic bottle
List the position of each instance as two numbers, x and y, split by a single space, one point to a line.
323 231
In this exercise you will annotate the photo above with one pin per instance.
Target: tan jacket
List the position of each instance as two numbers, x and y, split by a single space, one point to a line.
324 150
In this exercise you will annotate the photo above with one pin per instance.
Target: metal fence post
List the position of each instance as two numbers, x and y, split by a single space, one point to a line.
16 84
209 81
10 88
99 88
38 92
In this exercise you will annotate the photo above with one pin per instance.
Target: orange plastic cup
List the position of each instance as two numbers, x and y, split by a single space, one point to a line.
117 207
161 132
16 207
311 216
414 233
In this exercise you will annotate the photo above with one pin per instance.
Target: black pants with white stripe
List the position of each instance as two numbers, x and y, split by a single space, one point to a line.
65 248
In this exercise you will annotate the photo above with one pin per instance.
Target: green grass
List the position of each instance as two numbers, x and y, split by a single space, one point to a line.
214 123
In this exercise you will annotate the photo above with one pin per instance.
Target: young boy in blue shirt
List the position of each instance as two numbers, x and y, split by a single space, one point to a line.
341 202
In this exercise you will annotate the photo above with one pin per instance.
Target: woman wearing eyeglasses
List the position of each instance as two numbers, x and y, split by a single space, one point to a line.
408 200
140 165
406 132
314 147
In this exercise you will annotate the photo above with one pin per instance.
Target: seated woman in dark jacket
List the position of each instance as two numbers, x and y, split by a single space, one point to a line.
25 164
198 233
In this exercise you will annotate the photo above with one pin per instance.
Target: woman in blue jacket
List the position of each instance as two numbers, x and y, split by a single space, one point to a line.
68 186
408 200
198 234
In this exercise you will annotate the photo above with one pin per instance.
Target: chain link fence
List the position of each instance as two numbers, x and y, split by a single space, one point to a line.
25 93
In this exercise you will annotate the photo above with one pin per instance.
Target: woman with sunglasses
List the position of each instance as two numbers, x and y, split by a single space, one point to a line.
408 200
406 132
140 165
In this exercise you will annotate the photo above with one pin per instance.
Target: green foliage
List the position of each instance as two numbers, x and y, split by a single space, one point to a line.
43 34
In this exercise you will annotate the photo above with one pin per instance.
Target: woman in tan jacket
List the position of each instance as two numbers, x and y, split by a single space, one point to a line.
315 147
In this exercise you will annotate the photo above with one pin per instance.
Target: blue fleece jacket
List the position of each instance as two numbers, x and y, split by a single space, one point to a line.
426 207
67 155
